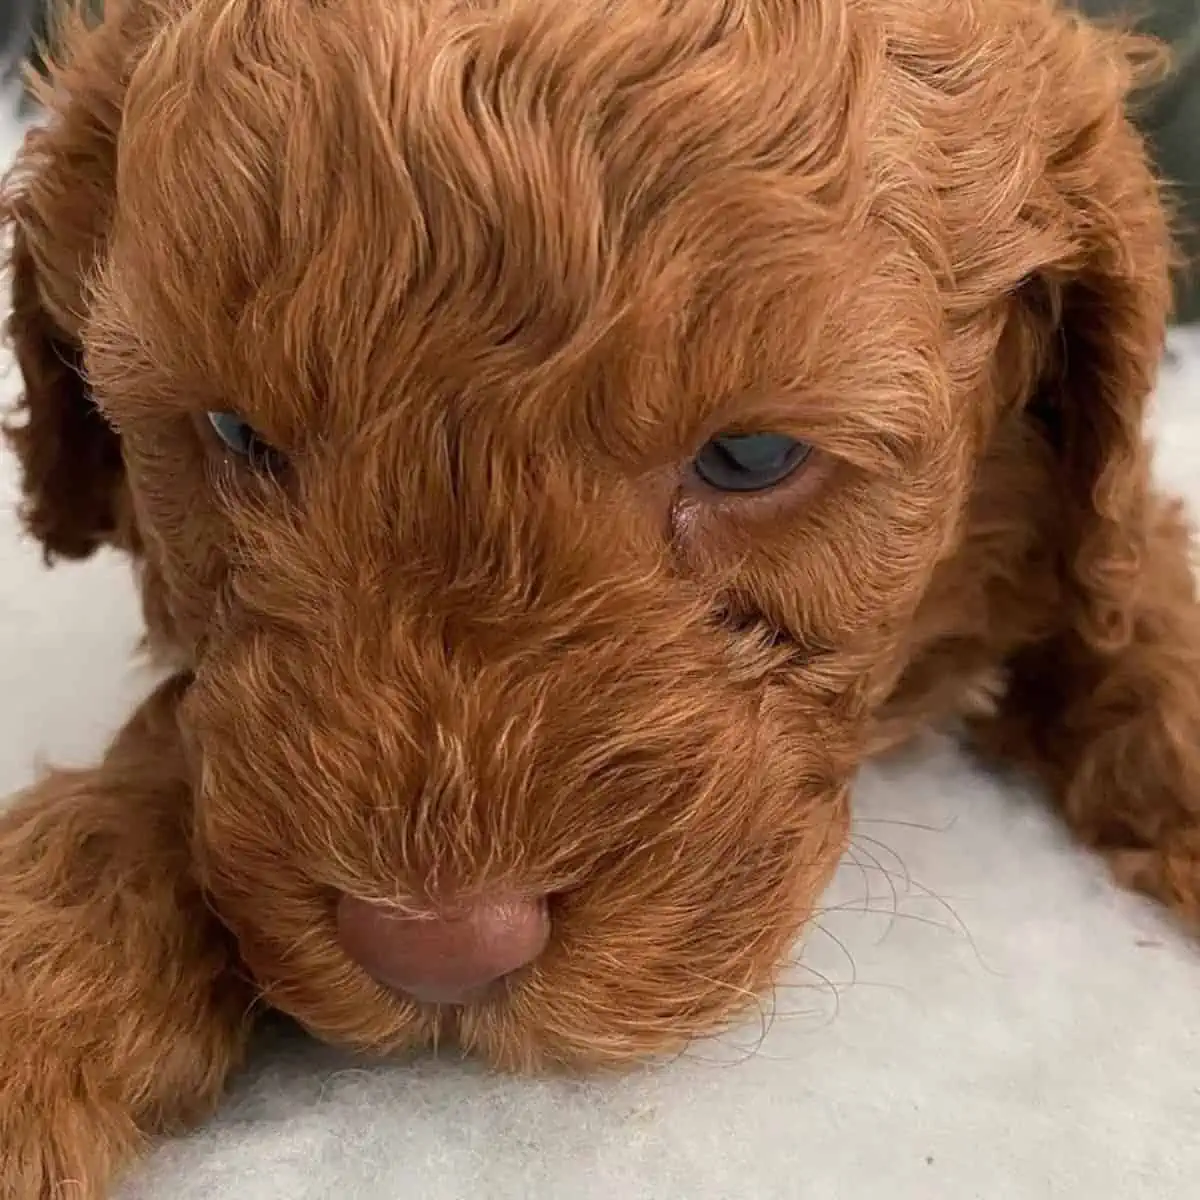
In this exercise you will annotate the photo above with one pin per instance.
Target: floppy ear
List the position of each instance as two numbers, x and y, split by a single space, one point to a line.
1100 307
54 208
71 469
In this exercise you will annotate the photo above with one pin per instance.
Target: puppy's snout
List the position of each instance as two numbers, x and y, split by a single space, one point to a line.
448 956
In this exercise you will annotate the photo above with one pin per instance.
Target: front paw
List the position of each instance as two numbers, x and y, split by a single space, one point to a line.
60 1137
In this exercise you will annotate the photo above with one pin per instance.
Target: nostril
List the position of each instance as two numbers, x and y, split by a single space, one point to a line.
448 956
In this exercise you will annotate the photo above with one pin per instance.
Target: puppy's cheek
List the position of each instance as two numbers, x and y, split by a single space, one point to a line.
184 538
285 931
839 571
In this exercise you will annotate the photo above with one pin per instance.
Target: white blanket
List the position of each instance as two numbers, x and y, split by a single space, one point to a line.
978 1013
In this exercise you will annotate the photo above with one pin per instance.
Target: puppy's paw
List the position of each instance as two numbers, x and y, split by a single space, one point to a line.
59 1138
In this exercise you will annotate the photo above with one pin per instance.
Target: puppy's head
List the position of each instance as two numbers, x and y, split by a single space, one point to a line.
539 424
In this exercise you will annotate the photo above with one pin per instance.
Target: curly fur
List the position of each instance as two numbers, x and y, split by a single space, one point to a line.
489 273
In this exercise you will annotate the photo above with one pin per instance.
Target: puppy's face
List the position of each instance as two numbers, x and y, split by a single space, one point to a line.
540 425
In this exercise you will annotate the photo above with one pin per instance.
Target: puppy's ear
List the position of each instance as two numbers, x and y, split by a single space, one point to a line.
72 474
1099 309
54 208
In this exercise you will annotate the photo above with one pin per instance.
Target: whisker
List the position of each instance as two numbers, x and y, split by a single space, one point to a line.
887 875
863 910
826 984
837 941
921 825
920 890
855 861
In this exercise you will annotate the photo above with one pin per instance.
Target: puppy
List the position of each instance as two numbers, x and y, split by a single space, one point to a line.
558 443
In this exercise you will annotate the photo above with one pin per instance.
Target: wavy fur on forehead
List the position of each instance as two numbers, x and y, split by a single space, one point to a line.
525 168
551 171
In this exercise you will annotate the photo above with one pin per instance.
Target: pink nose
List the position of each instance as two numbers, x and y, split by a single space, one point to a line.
448 956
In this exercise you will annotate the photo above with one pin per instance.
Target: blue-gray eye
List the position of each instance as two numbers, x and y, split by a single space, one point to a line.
749 462
240 438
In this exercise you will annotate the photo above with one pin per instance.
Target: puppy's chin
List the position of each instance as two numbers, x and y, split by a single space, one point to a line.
602 1018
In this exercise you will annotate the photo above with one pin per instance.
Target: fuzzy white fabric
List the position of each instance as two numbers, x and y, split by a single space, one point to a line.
978 1013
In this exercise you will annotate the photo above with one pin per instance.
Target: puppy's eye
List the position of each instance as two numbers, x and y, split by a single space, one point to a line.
240 438
749 462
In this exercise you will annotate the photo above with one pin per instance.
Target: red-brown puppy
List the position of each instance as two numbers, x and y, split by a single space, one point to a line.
559 441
